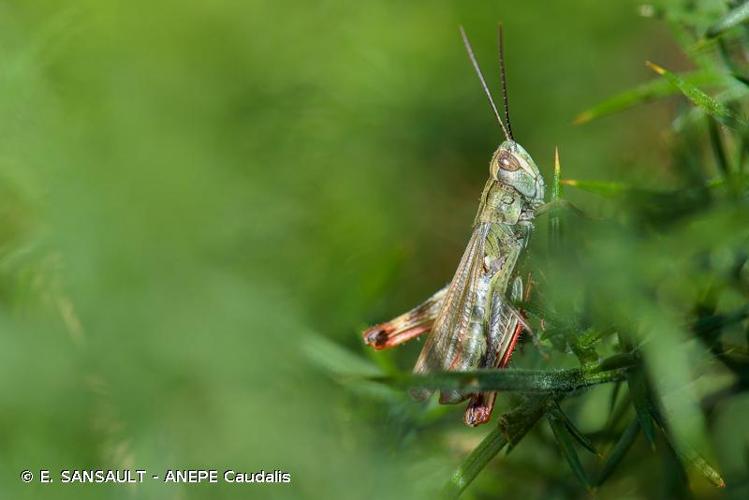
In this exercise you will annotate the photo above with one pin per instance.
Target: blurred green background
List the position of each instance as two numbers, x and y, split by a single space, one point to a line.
195 197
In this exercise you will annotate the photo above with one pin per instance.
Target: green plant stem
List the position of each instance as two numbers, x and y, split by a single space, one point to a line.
518 380
511 427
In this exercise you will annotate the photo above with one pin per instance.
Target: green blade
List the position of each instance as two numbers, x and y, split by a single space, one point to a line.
620 450
555 222
556 188
511 428
716 143
573 430
603 188
611 369
648 91
335 359
639 393
475 462
712 107
698 462
564 440
510 380
688 455
734 17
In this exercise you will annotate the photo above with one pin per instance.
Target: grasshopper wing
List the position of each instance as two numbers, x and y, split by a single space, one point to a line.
456 341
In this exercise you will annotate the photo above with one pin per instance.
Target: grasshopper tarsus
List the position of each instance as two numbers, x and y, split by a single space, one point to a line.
479 409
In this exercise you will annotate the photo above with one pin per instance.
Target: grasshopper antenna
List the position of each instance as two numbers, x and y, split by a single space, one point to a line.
475 63
503 78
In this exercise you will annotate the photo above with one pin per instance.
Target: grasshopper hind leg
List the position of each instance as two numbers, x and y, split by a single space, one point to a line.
407 326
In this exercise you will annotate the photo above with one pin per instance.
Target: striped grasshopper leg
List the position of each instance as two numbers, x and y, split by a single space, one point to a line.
407 326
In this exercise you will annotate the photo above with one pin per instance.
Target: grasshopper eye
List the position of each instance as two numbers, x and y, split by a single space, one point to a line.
508 162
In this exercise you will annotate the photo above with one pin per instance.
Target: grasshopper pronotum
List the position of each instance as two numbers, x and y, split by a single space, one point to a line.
472 322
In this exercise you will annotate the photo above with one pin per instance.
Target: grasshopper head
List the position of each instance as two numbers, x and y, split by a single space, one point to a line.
513 166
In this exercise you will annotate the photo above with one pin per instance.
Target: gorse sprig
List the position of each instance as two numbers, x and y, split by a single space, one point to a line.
645 289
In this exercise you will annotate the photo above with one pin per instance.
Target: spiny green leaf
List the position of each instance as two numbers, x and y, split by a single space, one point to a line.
555 229
567 448
582 346
603 188
717 146
710 325
557 205
712 107
573 430
512 426
510 380
691 457
687 454
614 397
335 359
475 462
698 462
592 336
618 189
734 17
556 188
647 91
372 390
639 394
620 450
518 422
617 361
675 472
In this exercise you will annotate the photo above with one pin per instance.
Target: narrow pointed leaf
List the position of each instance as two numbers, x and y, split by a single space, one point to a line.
717 146
620 450
582 346
573 430
372 390
688 455
676 484
608 189
556 188
511 428
651 90
611 369
698 462
616 361
475 462
618 189
614 396
561 204
567 448
639 394
711 325
335 359
712 107
518 422
592 336
511 380
556 191
734 17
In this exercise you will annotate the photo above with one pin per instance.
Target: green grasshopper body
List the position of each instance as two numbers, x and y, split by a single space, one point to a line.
472 322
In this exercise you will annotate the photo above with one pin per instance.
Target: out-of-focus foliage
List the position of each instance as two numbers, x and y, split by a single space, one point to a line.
201 203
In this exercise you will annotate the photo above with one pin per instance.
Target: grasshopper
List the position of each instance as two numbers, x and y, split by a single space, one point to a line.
472 322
